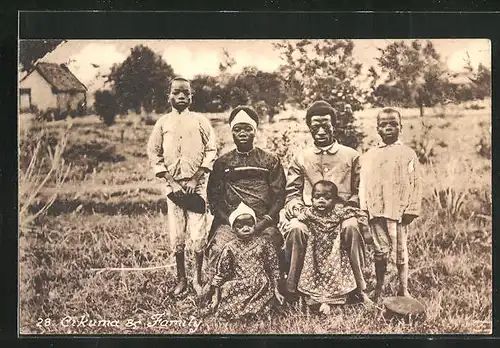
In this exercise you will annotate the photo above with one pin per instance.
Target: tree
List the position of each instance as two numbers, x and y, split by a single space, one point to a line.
415 75
30 51
482 82
106 106
141 81
325 70
262 90
208 95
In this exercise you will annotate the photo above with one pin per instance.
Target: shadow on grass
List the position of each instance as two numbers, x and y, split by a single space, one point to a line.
65 206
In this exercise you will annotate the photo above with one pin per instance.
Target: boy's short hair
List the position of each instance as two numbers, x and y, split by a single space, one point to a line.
329 185
389 110
321 108
250 111
179 78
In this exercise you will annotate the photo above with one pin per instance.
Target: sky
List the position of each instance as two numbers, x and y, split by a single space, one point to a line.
90 59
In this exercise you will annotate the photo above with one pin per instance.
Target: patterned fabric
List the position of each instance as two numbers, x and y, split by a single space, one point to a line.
327 275
247 272
338 164
390 183
257 178
181 143
389 240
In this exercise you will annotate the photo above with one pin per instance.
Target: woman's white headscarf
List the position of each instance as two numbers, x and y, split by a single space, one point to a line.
243 117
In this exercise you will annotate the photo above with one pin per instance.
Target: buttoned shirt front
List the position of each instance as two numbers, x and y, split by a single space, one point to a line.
337 163
390 183
181 143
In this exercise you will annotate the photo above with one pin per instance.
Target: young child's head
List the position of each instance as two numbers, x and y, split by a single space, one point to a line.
180 93
242 221
389 125
324 196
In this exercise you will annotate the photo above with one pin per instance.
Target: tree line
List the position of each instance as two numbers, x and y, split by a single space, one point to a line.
408 74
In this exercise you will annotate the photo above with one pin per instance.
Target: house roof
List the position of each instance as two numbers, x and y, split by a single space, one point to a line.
461 78
60 77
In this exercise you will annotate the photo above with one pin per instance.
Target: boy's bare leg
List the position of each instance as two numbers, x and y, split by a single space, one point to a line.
403 280
353 243
380 271
181 271
197 281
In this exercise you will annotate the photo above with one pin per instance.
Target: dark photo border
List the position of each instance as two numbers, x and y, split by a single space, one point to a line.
220 25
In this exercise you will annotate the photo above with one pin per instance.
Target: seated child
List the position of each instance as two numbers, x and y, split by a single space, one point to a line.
327 276
247 273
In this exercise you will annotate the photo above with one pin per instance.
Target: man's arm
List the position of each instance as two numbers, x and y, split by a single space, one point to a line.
355 178
294 186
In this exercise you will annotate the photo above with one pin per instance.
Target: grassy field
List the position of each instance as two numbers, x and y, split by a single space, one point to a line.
110 213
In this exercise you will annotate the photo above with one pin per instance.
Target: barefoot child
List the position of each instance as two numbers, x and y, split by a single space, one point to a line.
327 276
390 191
247 273
182 149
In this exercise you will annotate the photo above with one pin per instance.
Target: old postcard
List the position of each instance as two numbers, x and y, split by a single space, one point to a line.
328 186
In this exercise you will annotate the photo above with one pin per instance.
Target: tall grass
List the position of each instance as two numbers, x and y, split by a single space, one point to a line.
33 179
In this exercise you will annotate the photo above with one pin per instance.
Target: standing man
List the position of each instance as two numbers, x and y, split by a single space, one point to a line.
181 150
326 159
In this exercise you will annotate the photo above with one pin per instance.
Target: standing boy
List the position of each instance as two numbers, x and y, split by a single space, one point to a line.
182 149
390 191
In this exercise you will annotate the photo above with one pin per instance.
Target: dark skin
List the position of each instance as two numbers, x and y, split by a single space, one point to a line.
323 199
388 127
180 98
243 137
244 227
322 129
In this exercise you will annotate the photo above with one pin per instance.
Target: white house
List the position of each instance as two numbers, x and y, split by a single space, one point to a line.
51 87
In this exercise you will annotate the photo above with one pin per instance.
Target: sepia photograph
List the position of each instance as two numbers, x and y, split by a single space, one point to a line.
216 187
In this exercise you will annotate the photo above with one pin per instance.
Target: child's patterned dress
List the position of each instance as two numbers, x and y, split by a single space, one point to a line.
246 272
327 276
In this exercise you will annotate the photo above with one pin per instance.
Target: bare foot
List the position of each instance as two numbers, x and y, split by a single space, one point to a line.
404 293
180 287
198 289
366 300
377 297
324 308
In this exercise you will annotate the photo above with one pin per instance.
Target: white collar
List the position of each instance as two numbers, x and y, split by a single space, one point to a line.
331 149
382 144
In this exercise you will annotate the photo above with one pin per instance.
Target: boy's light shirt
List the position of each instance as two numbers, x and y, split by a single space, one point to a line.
411 169
181 143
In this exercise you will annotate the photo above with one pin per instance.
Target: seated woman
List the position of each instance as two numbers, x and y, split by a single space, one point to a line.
327 276
246 278
246 174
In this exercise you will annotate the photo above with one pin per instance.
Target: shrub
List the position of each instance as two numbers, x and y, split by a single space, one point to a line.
50 114
425 145
483 146
451 188
106 106
474 107
283 146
